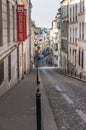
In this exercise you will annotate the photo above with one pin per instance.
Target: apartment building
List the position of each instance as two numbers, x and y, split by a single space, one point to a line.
58 17
73 35
77 36
64 34
33 40
54 43
14 55
82 37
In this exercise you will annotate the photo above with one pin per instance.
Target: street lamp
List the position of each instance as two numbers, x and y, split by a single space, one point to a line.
38 48
38 95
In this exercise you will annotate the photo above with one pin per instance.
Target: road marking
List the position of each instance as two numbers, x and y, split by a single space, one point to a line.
67 99
47 67
57 87
82 115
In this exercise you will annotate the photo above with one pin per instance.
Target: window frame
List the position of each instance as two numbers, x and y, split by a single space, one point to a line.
9 67
8 22
1 72
1 39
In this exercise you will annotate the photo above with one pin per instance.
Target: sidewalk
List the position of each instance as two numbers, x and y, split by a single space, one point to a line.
18 108
73 75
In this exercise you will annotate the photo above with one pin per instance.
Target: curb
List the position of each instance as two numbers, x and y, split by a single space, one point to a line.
48 122
75 78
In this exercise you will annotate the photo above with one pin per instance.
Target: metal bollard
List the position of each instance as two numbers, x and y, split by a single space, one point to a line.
71 73
38 109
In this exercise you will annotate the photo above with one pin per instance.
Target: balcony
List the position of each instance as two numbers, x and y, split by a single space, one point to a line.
82 11
75 20
74 43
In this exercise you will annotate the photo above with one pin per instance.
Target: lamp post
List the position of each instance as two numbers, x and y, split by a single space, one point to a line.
38 95
38 48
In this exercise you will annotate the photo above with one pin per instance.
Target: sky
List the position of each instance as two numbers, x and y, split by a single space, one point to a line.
44 12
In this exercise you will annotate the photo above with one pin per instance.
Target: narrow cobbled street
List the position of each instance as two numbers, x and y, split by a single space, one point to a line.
67 97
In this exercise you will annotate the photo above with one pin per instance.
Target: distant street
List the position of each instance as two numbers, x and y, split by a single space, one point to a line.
67 98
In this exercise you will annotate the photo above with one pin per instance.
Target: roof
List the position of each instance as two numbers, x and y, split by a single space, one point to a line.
62 1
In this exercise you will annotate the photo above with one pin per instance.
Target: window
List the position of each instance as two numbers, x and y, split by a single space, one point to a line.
79 57
82 58
8 21
80 6
76 13
70 35
56 57
73 13
76 35
0 22
73 35
75 57
82 30
56 47
13 11
9 67
18 62
70 14
82 9
70 54
1 72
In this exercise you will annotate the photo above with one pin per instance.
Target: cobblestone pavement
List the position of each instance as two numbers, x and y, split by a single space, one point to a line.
67 98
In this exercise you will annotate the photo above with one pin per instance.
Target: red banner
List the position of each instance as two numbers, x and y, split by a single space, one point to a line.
20 23
25 24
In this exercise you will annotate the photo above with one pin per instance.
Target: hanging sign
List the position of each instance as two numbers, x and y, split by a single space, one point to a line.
25 24
20 23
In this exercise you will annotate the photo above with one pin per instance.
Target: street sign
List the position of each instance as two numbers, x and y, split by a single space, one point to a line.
20 23
25 24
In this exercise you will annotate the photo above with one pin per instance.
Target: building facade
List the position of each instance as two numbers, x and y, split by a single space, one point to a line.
33 40
54 43
73 35
77 36
64 34
14 55
58 17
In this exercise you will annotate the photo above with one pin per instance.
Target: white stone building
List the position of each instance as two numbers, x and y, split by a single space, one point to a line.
64 34
14 56
58 17
33 40
54 43
77 36
73 35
